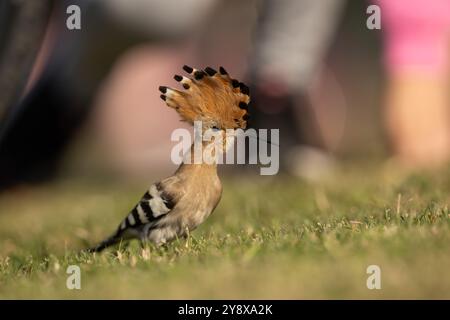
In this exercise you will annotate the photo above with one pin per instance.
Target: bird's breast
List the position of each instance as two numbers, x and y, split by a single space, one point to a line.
205 198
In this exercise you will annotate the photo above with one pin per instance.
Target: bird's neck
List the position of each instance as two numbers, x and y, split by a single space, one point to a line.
197 160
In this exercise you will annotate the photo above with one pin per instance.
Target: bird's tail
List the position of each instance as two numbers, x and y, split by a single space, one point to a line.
112 240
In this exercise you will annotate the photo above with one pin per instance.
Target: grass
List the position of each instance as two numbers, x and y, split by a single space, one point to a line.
269 238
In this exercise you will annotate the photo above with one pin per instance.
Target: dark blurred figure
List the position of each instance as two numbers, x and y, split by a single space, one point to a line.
291 39
75 66
37 128
22 28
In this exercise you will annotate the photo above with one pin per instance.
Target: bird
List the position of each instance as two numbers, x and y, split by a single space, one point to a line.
173 207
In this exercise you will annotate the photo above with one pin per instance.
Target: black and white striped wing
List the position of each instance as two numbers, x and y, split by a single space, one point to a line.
154 204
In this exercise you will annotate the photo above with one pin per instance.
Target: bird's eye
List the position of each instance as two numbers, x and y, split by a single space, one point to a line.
215 128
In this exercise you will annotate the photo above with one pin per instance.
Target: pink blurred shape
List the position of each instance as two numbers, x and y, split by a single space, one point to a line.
416 35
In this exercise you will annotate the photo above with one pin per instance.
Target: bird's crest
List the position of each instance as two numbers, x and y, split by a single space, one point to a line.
211 97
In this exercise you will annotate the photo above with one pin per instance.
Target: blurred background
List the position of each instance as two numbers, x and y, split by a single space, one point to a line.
362 114
85 103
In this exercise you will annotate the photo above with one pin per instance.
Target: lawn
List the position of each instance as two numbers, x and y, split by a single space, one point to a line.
268 238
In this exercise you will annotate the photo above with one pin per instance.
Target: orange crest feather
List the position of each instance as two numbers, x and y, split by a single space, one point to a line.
211 97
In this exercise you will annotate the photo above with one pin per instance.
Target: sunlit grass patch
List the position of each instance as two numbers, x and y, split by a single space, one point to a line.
277 238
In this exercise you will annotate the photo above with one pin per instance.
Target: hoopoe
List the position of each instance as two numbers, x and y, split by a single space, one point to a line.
174 206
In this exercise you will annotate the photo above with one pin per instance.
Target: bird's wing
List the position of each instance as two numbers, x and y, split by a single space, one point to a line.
157 202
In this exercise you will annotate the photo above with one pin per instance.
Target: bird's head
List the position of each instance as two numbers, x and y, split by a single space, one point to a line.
212 97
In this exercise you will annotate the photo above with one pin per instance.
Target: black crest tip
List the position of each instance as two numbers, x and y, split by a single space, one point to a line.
163 89
163 97
243 105
234 83
178 77
187 69
210 71
223 71
244 88
198 75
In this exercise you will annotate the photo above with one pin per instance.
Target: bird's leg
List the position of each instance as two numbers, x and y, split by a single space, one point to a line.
122 247
144 243
187 236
